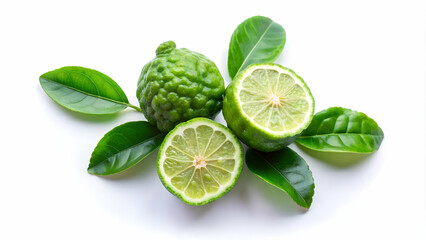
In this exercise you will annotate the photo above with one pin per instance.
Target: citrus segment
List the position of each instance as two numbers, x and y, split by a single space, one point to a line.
204 135
210 184
171 166
181 179
227 164
178 154
222 176
195 188
199 161
225 150
181 144
217 139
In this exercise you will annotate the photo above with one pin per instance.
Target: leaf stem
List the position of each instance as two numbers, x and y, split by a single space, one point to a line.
134 107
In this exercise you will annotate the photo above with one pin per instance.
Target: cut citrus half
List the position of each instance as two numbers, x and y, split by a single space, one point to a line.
199 161
268 106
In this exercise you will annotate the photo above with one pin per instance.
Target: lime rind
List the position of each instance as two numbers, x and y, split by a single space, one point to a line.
223 156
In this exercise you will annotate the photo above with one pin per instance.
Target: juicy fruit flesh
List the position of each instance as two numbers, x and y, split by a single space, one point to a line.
273 100
200 161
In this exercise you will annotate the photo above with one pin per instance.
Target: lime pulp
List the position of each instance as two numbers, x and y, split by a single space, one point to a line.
199 161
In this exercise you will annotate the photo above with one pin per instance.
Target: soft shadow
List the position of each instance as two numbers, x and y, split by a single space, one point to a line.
224 68
143 168
282 59
337 159
240 189
104 118
276 197
196 212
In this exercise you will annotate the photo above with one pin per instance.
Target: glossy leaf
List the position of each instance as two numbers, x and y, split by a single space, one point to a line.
286 170
256 40
84 90
342 130
123 147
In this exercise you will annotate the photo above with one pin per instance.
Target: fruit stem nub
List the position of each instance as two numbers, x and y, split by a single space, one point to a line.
165 47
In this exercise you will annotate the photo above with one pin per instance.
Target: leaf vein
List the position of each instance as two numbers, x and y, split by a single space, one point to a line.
254 47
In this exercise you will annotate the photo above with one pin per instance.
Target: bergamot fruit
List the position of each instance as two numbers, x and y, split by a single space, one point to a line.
200 160
177 85
268 106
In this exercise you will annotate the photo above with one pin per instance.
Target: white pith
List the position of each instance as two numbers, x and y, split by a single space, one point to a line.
200 162
275 100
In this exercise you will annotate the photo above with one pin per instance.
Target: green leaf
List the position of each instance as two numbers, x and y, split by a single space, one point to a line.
256 40
286 170
342 130
123 147
84 90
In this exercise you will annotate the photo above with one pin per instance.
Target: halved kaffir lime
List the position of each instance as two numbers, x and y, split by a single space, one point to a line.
199 161
268 106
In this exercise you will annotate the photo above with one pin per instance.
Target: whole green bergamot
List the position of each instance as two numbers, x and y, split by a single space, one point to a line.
177 85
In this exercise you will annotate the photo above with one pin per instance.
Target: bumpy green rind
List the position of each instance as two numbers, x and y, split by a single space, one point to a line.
248 132
208 122
177 85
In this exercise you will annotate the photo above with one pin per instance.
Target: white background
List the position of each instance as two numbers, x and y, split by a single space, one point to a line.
365 55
